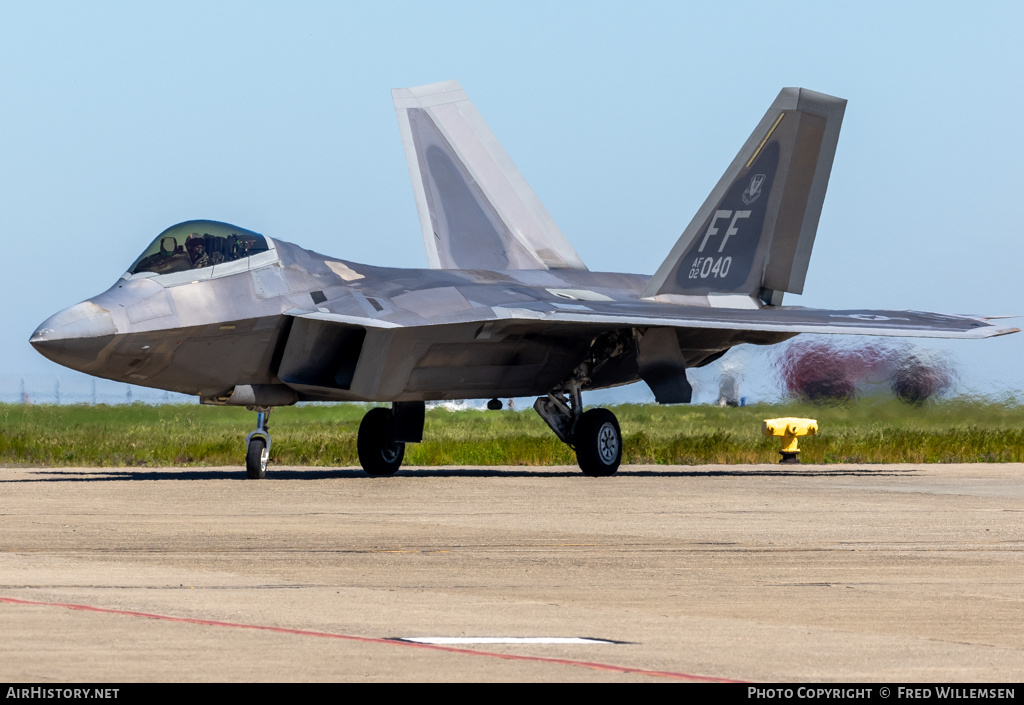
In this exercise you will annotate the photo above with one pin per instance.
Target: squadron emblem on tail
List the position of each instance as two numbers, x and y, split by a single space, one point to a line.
753 190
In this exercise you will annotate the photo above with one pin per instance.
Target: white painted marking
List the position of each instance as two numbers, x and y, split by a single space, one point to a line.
733 301
712 230
456 640
344 271
865 317
732 227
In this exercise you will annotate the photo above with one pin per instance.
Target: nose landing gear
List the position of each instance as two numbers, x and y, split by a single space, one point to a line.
257 445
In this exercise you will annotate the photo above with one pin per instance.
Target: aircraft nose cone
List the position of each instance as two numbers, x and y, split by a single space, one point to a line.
75 336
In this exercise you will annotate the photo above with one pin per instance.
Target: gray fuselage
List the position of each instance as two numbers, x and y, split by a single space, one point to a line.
295 325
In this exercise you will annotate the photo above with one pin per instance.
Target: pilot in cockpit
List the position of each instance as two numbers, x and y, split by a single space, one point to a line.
197 251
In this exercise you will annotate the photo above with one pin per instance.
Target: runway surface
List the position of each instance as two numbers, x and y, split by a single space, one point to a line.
893 573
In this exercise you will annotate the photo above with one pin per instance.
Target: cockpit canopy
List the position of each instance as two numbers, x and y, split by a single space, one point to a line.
195 244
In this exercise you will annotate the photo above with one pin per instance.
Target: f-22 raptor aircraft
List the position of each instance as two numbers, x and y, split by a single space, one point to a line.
506 309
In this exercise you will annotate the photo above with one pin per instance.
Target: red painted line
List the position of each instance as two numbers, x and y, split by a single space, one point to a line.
375 640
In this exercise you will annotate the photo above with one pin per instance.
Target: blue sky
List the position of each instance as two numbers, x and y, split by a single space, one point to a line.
121 119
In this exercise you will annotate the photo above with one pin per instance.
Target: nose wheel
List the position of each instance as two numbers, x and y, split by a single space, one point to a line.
257 447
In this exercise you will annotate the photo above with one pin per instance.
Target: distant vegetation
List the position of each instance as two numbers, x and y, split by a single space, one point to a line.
867 431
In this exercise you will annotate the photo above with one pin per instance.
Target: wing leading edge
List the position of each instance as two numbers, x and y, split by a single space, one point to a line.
476 209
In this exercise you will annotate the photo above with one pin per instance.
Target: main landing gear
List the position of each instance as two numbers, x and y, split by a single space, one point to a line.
593 434
383 434
257 445
379 454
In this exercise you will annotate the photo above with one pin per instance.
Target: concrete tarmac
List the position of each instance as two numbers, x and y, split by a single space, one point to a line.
893 573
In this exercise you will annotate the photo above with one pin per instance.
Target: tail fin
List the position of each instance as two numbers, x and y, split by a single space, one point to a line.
476 209
754 233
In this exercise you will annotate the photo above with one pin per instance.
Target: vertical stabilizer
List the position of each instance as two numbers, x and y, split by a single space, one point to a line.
754 233
476 210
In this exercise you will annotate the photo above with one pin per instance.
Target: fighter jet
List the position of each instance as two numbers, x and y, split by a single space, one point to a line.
506 309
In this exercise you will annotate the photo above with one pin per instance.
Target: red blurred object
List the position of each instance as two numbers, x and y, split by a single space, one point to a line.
821 371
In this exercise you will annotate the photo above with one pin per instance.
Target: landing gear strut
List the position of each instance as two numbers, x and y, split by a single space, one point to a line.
594 434
257 445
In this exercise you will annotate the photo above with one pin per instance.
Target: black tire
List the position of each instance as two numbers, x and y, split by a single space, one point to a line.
598 443
378 454
256 459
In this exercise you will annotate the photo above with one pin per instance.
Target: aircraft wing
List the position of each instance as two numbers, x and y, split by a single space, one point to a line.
792 320
476 209
445 342
609 315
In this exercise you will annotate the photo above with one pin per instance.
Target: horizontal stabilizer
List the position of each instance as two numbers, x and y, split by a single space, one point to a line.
476 210
753 235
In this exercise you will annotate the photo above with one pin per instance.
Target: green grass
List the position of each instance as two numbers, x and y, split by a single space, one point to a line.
869 431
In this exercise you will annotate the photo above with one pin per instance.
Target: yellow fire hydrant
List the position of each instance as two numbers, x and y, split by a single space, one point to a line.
789 429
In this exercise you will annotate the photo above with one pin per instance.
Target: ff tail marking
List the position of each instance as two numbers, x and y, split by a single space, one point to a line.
778 179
